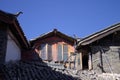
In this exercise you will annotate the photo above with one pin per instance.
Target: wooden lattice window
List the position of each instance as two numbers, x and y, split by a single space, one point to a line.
46 51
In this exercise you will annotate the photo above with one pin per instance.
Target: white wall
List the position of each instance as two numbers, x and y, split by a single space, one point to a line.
13 51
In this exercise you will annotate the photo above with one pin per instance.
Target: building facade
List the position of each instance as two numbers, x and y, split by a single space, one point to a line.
100 51
12 39
54 46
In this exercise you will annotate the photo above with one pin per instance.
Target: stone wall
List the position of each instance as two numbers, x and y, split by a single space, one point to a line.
106 54
106 61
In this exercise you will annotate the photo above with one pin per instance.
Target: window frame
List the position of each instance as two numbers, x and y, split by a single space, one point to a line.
62 52
46 51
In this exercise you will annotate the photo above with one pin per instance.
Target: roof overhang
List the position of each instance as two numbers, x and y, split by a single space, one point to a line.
55 32
14 26
98 35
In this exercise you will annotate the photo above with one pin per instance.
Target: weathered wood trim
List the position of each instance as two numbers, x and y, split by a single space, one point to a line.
90 61
79 59
99 35
81 62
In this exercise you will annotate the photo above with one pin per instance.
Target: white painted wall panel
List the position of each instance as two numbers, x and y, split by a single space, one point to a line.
13 51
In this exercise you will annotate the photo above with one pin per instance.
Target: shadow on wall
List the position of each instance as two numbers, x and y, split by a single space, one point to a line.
32 70
99 51
106 57
119 53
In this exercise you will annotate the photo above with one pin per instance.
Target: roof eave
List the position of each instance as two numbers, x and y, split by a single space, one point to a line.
56 33
99 35
12 20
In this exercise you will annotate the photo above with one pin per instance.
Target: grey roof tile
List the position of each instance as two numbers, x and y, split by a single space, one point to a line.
32 70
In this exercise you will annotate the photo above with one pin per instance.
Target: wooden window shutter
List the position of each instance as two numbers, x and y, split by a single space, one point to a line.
59 50
65 51
49 51
43 51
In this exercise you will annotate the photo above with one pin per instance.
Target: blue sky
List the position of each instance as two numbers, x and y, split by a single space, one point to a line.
79 17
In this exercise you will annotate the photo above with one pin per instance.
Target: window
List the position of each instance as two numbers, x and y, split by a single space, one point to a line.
49 51
59 52
62 52
65 52
43 51
46 51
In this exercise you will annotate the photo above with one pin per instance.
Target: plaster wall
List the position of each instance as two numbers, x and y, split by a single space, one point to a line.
13 50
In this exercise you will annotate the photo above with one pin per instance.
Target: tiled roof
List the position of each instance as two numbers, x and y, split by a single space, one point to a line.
32 70
98 35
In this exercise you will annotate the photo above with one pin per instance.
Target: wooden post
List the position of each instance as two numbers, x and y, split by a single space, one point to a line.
81 63
90 61
78 64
